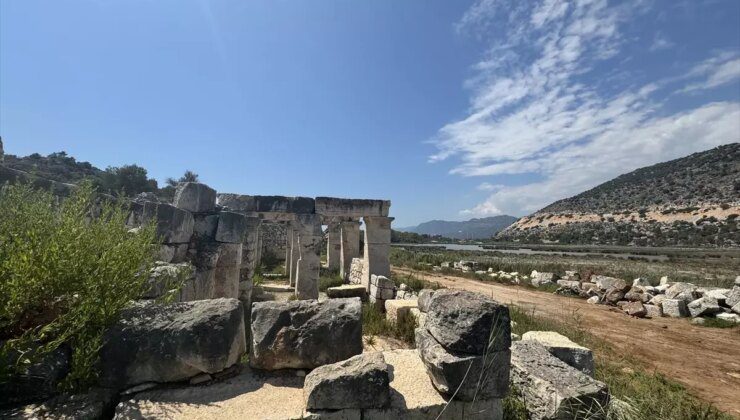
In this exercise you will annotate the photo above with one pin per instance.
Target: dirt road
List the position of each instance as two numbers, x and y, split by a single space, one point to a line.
705 360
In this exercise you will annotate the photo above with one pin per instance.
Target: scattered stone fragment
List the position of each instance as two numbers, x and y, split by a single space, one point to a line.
593 300
539 279
173 342
729 317
640 282
675 308
358 382
613 295
736 308
468 322
682 291
657 300
733 297
551 388
564 349
664 280
466 376
703 307
607 283
305 334
636 309
698 321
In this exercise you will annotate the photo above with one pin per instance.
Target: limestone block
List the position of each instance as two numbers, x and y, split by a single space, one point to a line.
703 307
467 376
174 226
330 206
587 286
468 322
593 300
231 227
304 334
382 287
657 300
733 297
653 311
729 317
564 349
425 296
347 291
736 308
551 388
359 382
355 275
636 309
204 227
675 308
397 308
539 279
682 291
173 342
606 283
195 197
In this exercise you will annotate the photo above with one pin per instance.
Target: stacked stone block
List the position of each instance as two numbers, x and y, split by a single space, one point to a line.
381 289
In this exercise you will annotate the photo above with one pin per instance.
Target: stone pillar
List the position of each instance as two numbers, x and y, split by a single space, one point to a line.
333 247
288 246
350 246
377 248
249 251
294 254
309 263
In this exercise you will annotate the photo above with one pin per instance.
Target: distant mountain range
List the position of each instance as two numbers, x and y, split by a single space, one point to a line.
483 228
691 201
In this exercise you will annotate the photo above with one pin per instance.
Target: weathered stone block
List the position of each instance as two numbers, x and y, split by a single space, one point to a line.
654 311
231 227
467 376
606 283
347 291
358 382
636 309
174 226
551 388
468 322
195 197
682 291
703 307
425 296
564 349
398 308
305 334
538 279
733 297
675 308
204 227
168 343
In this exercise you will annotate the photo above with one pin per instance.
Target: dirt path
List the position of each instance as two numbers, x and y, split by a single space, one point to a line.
705 360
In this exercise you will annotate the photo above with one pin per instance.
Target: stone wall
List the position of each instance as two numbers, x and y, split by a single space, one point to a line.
273 236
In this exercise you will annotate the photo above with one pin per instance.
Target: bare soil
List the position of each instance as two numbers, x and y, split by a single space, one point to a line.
705 360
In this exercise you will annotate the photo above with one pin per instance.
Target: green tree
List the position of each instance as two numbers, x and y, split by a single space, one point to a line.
128 180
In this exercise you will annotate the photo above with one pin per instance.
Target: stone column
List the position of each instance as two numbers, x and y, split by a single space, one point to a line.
309 263
350 246
377 248
249 251
333 247
288 246
294 254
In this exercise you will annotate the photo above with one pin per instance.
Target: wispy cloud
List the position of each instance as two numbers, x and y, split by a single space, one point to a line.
536 107
716 71
660 42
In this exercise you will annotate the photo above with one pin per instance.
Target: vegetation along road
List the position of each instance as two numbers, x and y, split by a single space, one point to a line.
705 360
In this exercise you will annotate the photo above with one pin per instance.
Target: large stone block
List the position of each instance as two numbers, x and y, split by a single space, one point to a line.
347 291
468 322
231 227
539 279
331 206
195 197
382 287
733 297
703 307
305 334
606 283
356 270
552 389
168 343
467 377
267 203
205 226
174 226
564 349
358 382
675 308
682 291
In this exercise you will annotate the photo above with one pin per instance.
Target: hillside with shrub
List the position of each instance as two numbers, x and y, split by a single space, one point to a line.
691 201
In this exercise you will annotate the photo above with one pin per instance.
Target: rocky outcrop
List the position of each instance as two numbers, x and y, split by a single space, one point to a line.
551 389
168 343
359 382
305 334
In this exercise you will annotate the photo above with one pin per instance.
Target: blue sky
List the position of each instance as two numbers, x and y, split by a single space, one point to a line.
451 109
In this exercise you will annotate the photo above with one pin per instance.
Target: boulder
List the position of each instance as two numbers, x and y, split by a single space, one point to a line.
637 296
664 280
613 295
173 225
552 389
733 297
231 227
359 382
593 300
168 343
736 308
425 295
657 300
675 308
564 349
570 284
538 279
607 283
305 334
636 309
195 197
396 309
468 322
653 311
703 307
640 282
662 288
347 291
587 286
467 377
682 291
37 381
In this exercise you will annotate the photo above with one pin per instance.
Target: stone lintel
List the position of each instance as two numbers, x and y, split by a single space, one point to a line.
331 206
267 203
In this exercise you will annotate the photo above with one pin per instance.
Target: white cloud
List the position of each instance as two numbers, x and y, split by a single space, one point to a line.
660 42
716 71
535 115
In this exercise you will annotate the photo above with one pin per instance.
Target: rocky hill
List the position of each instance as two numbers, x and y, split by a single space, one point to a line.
691 201
482 228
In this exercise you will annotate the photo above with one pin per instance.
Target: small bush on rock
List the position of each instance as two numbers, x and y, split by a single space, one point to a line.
66 271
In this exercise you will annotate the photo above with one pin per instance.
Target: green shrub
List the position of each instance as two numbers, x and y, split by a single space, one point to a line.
328 280
375 323
66 271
